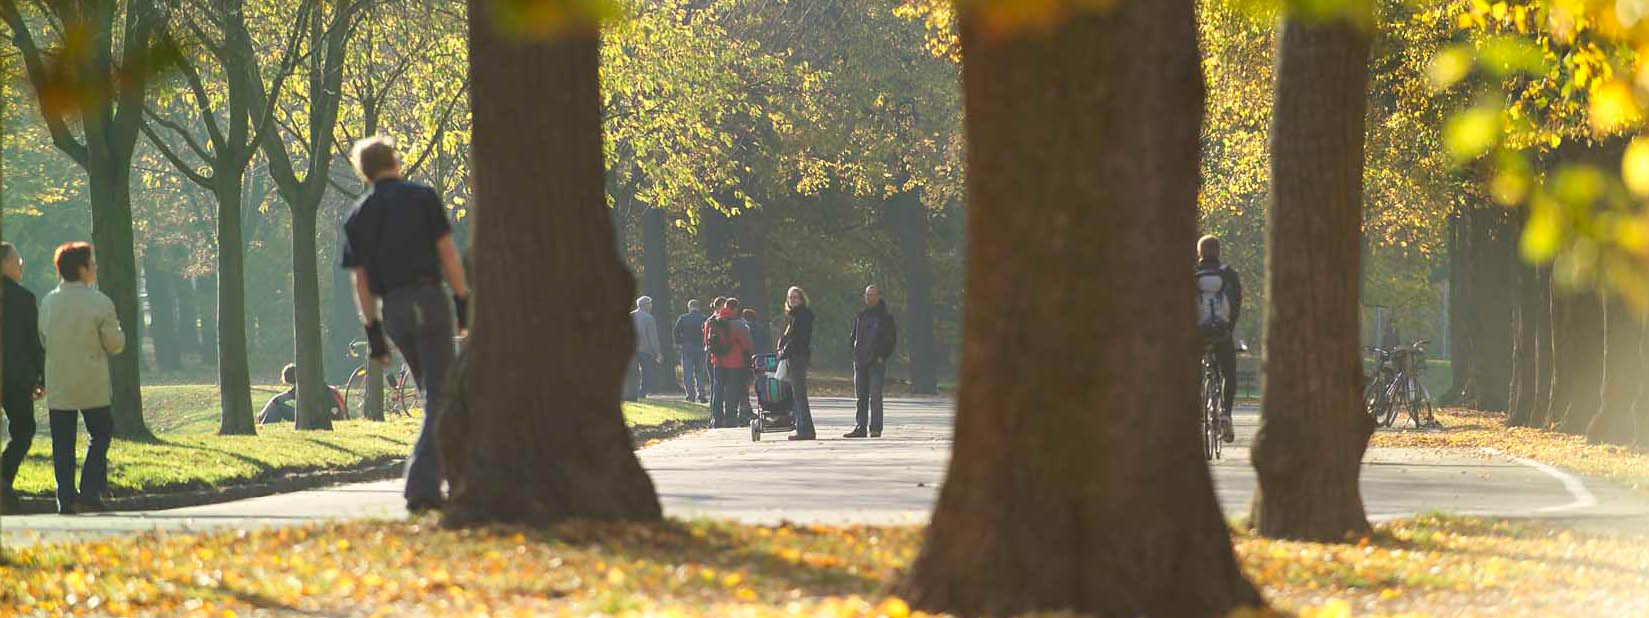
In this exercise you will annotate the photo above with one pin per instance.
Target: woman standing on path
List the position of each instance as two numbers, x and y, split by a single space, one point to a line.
796 347
80 332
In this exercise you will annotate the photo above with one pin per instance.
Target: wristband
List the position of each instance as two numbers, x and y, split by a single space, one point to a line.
461 306
377 346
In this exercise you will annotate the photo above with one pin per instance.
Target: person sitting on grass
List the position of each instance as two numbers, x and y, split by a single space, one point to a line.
280 410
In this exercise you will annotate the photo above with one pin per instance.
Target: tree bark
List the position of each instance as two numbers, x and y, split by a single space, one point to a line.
655 226
1531 359
234 375
911 231
372 408
1313 432
1079 484
552 448
313 400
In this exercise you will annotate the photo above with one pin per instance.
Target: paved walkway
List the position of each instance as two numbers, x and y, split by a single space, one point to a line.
895 479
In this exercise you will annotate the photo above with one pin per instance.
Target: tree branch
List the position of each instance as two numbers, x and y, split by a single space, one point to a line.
177 162
35 65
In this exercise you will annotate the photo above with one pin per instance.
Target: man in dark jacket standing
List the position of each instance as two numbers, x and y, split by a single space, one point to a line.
689 336
398 243
874 336
25 370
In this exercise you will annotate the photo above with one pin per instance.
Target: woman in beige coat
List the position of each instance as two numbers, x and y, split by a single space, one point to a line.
80 332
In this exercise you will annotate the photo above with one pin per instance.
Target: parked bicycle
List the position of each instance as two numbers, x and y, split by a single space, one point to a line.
400 392
1213 394
1395 386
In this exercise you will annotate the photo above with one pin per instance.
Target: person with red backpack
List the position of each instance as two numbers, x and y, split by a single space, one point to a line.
730 351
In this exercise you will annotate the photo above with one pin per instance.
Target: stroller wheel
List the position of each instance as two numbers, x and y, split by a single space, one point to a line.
756 429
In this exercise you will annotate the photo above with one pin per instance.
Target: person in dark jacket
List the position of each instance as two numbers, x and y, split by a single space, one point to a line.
25 370
874 335
689 336
716 306
1225 343
796 349
398 245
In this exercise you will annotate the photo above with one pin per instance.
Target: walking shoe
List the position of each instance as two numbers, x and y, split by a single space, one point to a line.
425 504
91 505
799 438
67 509
858 432
877 433
1227 434
704 400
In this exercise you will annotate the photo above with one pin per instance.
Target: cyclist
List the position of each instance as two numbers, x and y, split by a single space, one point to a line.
1219 305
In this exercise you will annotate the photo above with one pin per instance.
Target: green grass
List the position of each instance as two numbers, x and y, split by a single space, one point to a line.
188 454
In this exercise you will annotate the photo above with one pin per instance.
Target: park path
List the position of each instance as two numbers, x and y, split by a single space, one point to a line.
894 480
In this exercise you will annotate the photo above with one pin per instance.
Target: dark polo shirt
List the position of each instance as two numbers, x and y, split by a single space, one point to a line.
392 232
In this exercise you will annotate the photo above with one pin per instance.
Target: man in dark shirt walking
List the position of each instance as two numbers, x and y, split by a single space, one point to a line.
398 244
25 370
874 335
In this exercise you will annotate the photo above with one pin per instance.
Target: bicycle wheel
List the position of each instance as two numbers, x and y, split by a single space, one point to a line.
404 393
355 389
1419 405
1389 407
1211 391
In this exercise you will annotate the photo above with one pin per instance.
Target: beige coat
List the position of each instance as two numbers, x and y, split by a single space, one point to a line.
80 331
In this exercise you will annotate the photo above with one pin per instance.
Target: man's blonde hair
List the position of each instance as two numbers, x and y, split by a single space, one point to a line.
373 156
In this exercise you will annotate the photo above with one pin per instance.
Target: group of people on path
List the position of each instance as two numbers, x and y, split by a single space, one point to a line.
65 343
718 349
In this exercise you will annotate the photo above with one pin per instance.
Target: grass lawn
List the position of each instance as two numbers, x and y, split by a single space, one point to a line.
1429 566
188 454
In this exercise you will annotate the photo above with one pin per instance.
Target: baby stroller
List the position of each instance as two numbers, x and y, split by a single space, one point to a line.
773 397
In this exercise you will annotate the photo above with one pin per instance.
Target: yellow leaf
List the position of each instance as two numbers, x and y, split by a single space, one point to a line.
1613 107
1449 66
1634 167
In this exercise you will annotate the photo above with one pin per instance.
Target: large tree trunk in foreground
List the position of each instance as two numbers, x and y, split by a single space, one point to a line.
553 447
1309 449
1079 484
911 234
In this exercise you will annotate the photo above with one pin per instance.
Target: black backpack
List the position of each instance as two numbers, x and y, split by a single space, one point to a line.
718 342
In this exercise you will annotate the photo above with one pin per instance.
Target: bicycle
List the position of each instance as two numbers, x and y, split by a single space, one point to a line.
1396 386
1213 393
400 392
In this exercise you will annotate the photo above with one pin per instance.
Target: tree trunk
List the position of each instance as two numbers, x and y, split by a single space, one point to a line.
911 232
1623 372
1460 308
1531 360
313 401
206 298
1309 449
188 316
1577 391
117 277
1490 260
234 376
343 320
655 226
372 408
547 449
163 311
1079 484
